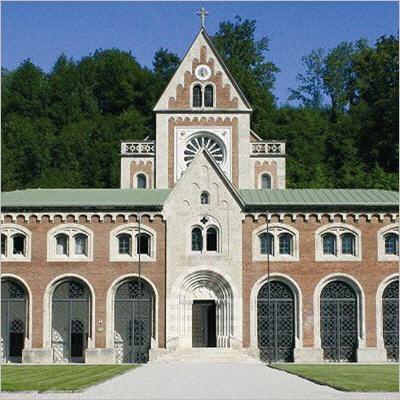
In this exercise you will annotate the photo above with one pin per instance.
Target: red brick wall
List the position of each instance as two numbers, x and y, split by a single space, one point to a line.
307 272
100 273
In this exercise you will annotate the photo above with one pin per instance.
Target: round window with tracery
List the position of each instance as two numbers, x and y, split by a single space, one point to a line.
213 145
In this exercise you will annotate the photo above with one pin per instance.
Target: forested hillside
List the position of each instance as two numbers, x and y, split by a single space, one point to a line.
63 128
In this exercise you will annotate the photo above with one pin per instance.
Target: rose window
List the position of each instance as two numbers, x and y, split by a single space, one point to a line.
213 145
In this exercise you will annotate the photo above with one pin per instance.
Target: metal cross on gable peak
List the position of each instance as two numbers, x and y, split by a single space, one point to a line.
202 13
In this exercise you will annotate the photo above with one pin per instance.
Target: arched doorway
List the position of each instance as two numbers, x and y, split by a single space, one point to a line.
70 322
339 330
276 322
133 321
14 320
390 309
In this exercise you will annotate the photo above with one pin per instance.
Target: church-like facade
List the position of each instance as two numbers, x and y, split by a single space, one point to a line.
202 246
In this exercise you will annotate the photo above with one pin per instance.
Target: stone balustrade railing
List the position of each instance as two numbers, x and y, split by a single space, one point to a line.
267 148
138 148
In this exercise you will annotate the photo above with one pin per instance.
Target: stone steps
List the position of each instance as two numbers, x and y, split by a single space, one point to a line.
205 355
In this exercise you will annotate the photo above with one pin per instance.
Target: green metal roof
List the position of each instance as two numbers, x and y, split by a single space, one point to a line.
319 197
106 198
155 198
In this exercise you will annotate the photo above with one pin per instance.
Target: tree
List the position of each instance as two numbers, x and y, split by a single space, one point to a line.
310 92
245 59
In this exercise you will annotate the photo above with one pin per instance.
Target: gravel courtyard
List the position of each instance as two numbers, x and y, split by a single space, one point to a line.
180 380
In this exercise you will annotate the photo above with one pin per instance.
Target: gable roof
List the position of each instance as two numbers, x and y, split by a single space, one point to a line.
251 199
181 71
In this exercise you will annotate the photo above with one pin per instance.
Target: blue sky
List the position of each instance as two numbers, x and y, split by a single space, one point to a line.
42 31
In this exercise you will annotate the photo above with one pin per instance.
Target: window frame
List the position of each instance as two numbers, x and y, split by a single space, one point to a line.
262 174
338 230
141 175
276 230
385 230
207 196
132 230
203 86
211 223
10 230
71 231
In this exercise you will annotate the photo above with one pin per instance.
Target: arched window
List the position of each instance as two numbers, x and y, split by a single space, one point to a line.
143 242
209 96
204 198
392 244
81 244
285 243
212 239
141 181
3 245
348 243
197 96
265 181
125 244
62 244
266 244
197 239
19 244
329 243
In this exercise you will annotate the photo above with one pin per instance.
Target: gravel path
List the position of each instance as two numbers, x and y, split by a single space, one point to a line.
205 381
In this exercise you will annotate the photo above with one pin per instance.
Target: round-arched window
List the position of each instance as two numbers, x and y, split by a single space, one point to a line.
212 144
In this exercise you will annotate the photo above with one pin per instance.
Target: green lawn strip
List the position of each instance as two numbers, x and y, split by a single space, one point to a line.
57 377
352 378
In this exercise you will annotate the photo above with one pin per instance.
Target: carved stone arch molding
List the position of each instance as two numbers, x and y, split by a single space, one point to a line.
204 283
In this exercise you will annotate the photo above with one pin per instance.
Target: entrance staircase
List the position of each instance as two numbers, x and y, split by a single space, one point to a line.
204 355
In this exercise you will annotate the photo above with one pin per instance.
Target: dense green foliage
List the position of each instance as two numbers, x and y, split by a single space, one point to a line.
63 128
57 377
349 377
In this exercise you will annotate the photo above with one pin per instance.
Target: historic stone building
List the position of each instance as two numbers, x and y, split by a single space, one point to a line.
202 215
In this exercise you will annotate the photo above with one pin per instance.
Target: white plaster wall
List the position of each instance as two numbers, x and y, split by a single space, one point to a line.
244 151
162 150
182 209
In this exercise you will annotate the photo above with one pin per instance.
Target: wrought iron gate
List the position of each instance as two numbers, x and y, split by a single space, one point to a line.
133 322
339 333
70 321
14 320
390 308
275 324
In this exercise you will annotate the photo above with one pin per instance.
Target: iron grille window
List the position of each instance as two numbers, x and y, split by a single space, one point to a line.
197 239
348 243
285 243
339 327
124 244
329 243
392 244
197 96
209 96
390 309
266 243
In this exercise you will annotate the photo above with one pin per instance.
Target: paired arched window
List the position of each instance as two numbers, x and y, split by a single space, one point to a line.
205 235
266 181
280 243
202 96
338 241
70 242
204 198
15 243
141 181
127 243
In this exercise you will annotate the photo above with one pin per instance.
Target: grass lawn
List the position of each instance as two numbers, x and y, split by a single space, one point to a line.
353 378
56 377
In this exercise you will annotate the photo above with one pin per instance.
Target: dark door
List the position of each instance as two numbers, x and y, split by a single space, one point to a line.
203 323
